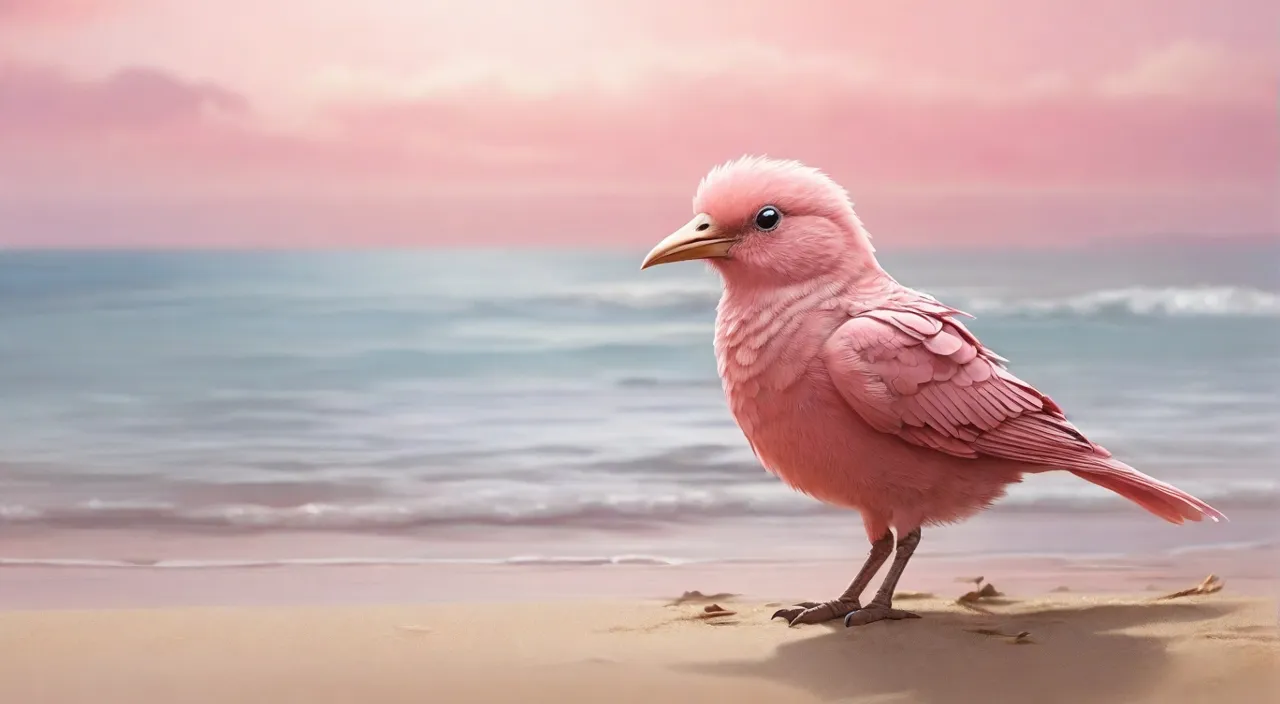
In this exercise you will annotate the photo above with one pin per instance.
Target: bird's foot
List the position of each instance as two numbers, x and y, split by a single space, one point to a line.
813 612
876 612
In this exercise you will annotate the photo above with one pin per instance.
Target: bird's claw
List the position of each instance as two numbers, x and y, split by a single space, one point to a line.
876 612
790 613
810 612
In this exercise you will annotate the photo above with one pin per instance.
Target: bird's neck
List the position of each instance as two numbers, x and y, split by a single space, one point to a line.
757 326
848 280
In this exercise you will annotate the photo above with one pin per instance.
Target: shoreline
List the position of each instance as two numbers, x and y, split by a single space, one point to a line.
1254 573
831 535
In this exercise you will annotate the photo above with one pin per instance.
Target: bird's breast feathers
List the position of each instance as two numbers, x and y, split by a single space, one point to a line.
765 354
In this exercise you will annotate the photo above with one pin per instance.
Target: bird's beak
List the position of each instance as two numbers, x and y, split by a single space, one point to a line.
698 239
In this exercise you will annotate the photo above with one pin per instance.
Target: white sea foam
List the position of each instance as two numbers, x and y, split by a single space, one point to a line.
1218 301
535 561
181 564
598 507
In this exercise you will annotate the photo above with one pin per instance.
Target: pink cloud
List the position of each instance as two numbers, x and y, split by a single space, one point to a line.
1182 137
42 100
868 136
1117 132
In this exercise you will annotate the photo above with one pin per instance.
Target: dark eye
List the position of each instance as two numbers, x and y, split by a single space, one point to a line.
768 218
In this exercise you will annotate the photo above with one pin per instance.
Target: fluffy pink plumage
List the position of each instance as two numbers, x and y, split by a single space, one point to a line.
860 391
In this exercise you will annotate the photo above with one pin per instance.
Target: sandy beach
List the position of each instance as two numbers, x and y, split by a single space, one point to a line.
1112 647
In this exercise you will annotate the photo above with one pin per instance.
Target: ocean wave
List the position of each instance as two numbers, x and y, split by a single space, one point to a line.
613 512
651 295
655 382
659 297
662 298
517 561
518 507
1203 301
1172 301
578 561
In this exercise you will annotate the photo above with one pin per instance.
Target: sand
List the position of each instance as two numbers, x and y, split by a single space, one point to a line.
1099 649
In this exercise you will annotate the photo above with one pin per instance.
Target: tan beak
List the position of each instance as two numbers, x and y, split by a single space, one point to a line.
698 239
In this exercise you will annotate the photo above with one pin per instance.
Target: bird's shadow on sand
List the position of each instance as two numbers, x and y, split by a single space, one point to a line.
1078 655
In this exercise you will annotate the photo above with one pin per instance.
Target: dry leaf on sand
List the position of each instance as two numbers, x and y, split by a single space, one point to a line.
987 590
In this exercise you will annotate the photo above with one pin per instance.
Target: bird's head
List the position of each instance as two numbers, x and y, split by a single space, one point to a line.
770 222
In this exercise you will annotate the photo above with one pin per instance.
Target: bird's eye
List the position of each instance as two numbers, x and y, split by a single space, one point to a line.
768 218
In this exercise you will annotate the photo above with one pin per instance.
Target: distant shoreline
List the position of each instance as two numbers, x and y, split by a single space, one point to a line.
89 586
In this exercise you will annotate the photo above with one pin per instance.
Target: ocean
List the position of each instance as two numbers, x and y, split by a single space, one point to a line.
562 406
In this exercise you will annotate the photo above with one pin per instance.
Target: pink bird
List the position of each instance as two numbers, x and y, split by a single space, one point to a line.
861 392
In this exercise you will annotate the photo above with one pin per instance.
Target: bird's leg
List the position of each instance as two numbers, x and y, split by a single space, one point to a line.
881 607
813 612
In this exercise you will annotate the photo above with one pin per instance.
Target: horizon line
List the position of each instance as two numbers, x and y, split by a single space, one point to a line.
1126 242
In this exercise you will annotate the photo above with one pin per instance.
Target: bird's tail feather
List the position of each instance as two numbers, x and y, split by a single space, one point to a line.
1164 500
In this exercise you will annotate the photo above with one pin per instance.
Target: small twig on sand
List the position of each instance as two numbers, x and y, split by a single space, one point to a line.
1020 638
1211 585
697 596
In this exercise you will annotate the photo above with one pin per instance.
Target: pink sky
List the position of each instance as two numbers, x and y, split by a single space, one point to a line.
329 122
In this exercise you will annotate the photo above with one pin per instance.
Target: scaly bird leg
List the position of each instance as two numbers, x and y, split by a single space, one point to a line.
881 607
813 612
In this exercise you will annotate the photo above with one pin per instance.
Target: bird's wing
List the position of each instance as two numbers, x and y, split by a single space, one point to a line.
914 371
